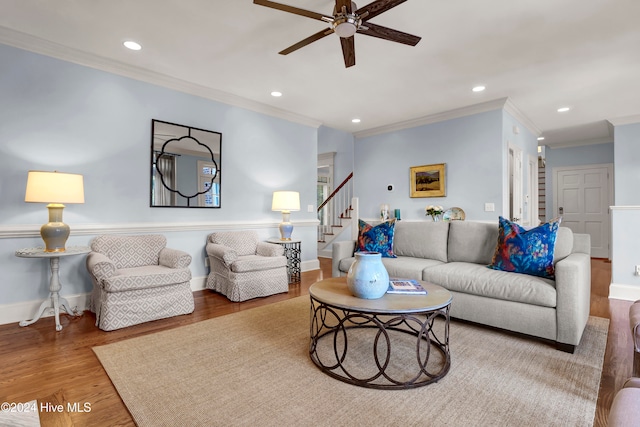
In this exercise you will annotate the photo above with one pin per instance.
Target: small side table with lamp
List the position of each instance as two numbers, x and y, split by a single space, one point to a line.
54 188
286 202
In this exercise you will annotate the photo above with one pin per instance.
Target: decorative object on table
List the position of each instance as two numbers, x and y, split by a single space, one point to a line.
428 180
376 239
286 202
384 212
55 301
526 251
434 211
396 214
405 287
367 277
54 188
454 214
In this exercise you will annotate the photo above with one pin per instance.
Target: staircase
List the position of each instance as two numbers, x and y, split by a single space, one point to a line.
336 213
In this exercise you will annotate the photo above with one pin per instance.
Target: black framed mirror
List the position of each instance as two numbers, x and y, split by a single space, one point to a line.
185 166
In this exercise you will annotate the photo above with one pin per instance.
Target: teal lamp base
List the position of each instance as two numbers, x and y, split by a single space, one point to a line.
55 233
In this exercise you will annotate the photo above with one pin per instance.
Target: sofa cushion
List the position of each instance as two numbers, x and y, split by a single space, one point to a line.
150 276
422 239
376 239
401 267
130 251
243 242
525 251
472 241
257 263
476 279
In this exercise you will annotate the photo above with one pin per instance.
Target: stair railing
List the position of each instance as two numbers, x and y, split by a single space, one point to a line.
335 208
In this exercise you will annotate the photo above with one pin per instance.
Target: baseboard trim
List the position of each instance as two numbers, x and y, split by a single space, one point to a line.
624 292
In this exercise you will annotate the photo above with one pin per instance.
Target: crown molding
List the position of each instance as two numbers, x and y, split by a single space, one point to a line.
627 120
570 144
33 230
45 47
511 108
435 118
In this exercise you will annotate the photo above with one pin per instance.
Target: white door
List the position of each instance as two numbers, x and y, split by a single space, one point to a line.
582 196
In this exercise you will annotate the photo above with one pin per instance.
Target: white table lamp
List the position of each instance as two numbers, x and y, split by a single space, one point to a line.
54 188
286 202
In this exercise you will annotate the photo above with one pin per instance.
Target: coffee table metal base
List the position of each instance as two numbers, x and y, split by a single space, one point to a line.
332 327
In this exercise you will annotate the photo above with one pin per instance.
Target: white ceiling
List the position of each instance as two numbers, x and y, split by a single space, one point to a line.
541 54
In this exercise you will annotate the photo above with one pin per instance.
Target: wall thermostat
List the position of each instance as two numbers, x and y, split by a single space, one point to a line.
390 187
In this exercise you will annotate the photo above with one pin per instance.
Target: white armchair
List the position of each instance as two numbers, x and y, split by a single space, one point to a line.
137 279
242 267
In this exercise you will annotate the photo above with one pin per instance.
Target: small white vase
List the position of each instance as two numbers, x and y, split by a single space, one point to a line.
367 277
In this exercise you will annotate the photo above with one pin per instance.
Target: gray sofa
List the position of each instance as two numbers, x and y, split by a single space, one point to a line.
455 255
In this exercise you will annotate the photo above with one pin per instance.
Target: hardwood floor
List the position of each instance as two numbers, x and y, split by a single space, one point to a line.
39 363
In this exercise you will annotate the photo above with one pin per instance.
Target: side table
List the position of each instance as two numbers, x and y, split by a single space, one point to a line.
292 251
55 301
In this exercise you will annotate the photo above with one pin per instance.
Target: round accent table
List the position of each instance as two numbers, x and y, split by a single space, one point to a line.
55 301
394 342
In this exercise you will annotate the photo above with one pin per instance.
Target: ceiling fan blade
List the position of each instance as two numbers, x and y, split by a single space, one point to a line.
378 7
308 40
345 3
381 32
348 51
292 9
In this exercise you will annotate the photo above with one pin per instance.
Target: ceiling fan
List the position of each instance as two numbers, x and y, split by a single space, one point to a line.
347 20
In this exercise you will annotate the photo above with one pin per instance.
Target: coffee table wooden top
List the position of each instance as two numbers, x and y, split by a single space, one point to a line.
334 292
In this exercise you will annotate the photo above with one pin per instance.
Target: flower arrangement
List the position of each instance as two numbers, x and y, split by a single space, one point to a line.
434 211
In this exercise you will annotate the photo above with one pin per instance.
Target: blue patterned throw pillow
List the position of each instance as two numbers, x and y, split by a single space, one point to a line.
526 251
376 239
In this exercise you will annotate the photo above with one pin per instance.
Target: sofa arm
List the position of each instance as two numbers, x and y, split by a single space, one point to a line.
269 249
100 266
174 258
221 252
573 293
340 251
582 243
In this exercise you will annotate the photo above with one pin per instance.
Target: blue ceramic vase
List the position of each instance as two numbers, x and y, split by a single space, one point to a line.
367 277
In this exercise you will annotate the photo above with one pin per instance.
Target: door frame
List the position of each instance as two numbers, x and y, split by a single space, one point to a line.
610 187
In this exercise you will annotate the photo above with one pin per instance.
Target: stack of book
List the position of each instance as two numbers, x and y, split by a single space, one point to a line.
405 287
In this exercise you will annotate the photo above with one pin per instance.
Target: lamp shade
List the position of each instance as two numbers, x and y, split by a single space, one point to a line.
54 187
285 201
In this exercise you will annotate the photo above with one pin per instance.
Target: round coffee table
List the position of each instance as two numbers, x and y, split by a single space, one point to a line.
394 342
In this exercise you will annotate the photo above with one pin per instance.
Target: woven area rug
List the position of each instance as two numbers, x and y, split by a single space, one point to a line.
252 368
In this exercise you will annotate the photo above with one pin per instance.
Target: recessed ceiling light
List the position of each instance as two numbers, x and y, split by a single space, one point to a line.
563 109
478 88
276 93
541 138
355 120
132 45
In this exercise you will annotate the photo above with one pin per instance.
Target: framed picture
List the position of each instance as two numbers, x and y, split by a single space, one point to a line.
428 180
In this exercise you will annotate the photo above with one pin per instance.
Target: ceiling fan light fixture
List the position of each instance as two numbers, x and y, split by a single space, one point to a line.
345 29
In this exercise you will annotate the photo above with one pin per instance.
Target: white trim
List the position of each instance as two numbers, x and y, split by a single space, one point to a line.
511 108
435 118
624 292
624 208
33 230
45 47
13 313
627 120
580 143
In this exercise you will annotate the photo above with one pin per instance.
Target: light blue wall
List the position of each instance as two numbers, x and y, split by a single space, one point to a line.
627 160
63 116
572 156
471 147
336 141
